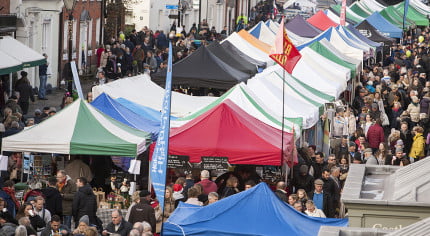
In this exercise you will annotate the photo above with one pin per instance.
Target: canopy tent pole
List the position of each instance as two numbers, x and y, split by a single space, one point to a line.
10 84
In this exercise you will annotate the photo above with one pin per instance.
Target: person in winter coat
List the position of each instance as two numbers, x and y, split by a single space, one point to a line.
84 202
375 135
418 144
67 189
208 186
231 187
26 210
414 109
425 104
25 94
143 211
53 197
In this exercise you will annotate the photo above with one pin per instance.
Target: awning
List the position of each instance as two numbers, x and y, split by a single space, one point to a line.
8 64
22 53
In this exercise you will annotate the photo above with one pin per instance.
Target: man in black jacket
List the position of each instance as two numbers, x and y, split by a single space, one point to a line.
118 225
280 191
143 210
84 202
53 197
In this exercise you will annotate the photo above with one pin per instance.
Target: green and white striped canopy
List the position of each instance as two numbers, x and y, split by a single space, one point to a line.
79 129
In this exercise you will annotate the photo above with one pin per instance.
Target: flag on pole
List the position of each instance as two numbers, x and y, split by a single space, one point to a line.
284 52
343 13
405 13
159 158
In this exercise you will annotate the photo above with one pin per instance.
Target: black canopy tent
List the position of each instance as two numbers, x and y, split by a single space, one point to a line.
202 69
366 29
234 50
230 58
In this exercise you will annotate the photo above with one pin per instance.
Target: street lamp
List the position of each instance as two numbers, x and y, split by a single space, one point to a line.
69 5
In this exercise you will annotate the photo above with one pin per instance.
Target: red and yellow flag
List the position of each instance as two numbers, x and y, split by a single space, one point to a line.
285 54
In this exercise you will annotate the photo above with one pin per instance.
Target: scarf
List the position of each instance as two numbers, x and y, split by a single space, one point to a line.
61 185
11 193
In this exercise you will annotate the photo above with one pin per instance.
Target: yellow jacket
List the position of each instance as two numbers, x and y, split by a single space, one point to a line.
418 145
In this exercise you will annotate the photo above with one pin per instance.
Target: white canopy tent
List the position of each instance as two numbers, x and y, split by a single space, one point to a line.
141 90
248 49
263 32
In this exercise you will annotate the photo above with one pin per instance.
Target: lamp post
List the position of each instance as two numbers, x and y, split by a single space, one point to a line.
70 5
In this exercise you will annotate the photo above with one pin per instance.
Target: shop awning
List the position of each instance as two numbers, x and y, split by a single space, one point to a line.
20 52
8 64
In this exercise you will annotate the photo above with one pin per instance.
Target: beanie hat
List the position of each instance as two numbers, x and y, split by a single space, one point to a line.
85 219
23 73
177 187
399 149
304 169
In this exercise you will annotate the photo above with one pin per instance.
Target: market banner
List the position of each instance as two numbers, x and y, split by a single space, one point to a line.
159 158
405 13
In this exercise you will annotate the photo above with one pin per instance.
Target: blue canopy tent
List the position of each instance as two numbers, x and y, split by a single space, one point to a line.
324 35
144 111
256 211
384 26
114 109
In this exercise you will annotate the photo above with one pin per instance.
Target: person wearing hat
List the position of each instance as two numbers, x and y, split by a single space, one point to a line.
143 211
339 128
369 159
21 80
353 154
319 197
12 103
358 102
399 159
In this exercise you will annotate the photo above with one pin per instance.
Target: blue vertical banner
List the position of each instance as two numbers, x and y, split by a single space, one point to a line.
161 151
405 13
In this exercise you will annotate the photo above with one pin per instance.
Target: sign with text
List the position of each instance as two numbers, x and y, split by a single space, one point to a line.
215 163
178 161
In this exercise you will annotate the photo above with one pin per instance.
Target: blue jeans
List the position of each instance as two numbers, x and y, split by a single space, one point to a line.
42 87
67 220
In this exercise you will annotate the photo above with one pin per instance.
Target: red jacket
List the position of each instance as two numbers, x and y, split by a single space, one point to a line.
375 135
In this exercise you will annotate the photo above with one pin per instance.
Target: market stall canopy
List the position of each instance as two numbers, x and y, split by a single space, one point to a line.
8 64
247 48
228 131
367 30
231 58
256 211
252 104
321 21
396 18
359 10
357 33
202 69
384 26
254 41
117 111
272 25
263 33
242 55
413 14
144 111
352 16
141 90
14 48
301 27
82 130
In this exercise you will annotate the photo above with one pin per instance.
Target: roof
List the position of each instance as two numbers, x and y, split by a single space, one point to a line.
413 14
362 37
27 57
268 216
262 32
202 69
301 27
228 131
321 21
229 46
389 185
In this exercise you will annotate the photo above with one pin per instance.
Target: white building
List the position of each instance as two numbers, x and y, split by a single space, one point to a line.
155 13
38 28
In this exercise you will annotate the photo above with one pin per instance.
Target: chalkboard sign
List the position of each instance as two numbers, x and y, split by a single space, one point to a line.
178 161
214 163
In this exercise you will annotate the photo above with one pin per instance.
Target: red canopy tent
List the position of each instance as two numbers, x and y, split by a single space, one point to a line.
228 131
321 21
